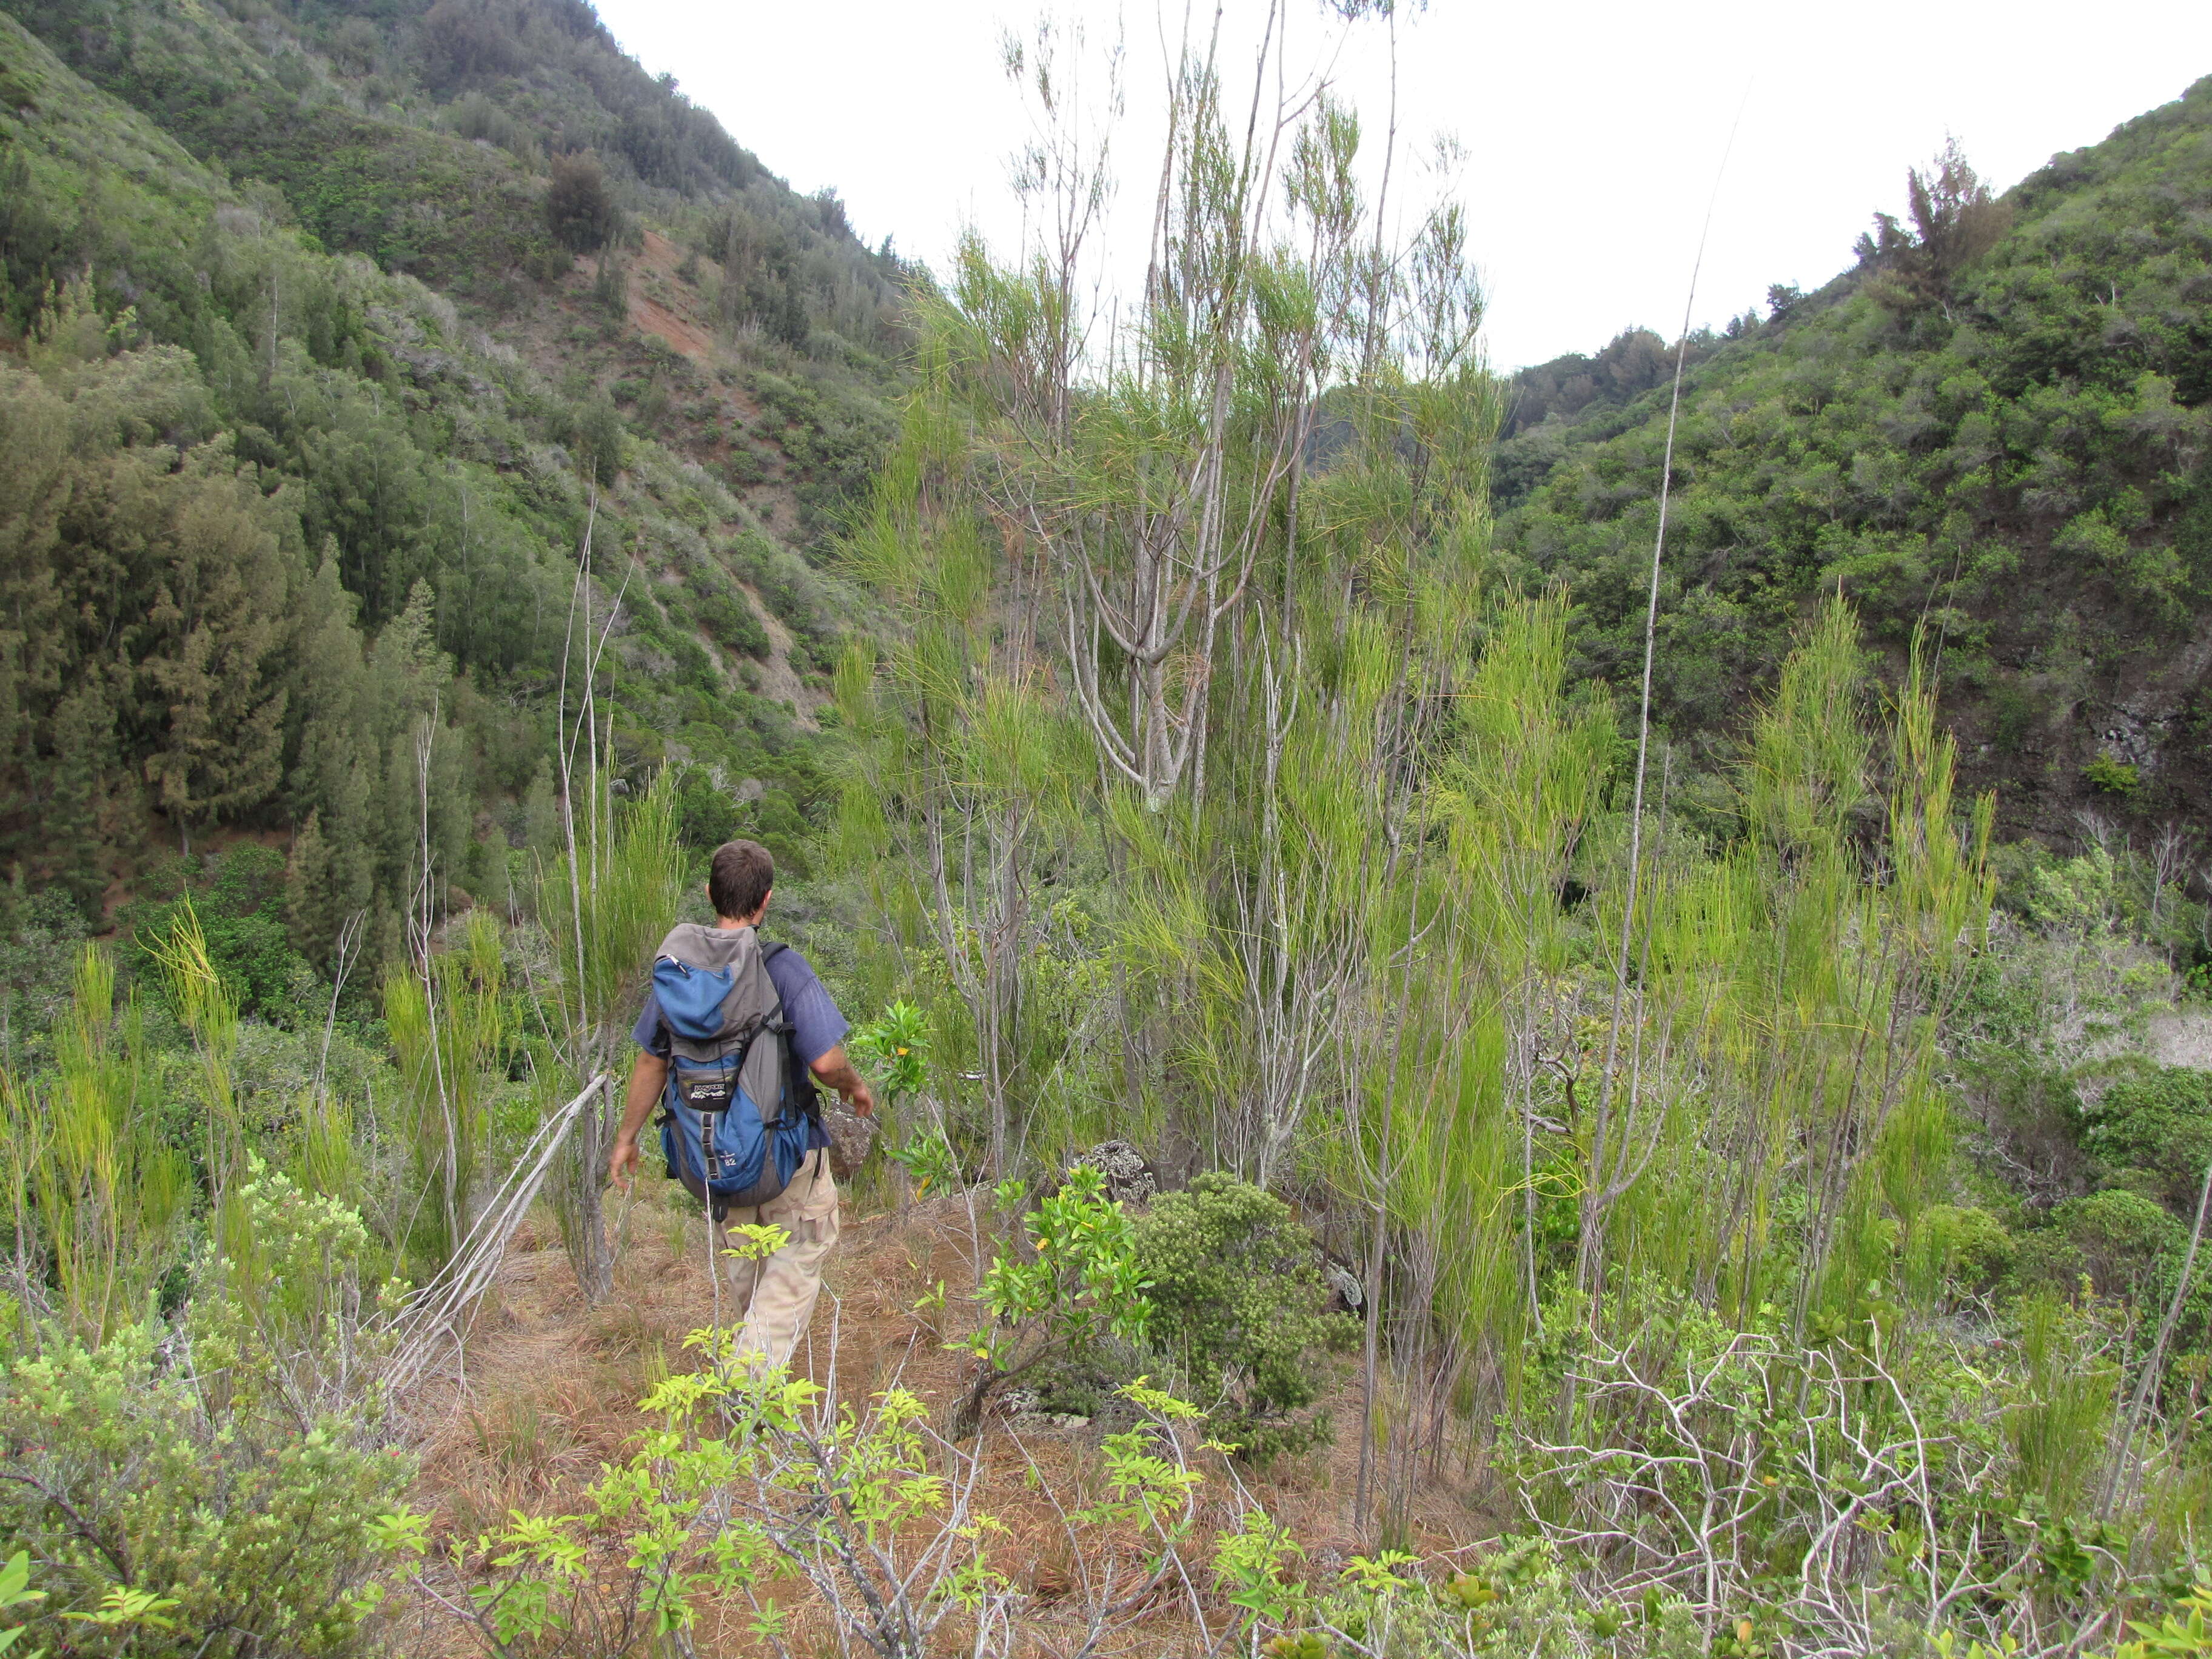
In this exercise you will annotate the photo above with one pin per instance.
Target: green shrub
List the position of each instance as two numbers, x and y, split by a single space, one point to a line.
580 209
599 441
705 817
793 593
2013 712
39 952
289 1309
1071 1298
224 1474
777 823
240 903
2157 1118
745 467
730 621
1972 1245
2116 1237
261 1534
611 288
2110 777
1240 1309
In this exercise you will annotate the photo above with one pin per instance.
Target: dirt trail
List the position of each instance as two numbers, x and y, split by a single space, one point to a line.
550 1389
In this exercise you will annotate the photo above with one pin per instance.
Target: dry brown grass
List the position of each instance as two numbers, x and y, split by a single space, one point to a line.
549 1388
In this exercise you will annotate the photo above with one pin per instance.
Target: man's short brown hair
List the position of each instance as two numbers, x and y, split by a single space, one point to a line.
738 878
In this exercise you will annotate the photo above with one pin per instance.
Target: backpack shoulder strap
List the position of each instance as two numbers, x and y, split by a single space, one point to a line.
799 1077
770 950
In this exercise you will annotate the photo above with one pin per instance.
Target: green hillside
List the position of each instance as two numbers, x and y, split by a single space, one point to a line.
1377 1162
331 334
2018 452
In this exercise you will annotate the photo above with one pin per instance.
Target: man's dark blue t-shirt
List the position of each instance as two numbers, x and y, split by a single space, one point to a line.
817 1027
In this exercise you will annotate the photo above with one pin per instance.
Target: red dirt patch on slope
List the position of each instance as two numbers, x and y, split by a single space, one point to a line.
688 334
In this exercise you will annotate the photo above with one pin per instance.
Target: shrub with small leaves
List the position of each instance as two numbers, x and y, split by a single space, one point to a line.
154 1506
2108 776
217 1483
1241 1312
2154 1118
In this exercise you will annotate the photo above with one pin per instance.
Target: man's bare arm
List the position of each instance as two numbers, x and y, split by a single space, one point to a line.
838 1073
647 1081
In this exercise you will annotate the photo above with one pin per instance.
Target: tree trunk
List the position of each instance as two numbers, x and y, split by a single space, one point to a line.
583 1214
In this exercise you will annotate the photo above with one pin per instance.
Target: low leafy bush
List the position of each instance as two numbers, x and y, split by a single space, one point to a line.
2116 1237
705 815
730 622
1074 1293
215 1485
834 433
2157 1118
776 823
1972 1246
745 467
1241 1312
40 935
239 900
2112 777
789 587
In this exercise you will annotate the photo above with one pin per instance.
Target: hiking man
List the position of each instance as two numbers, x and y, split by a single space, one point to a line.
777 1294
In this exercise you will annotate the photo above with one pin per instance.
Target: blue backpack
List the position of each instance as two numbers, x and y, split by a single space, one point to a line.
737 1105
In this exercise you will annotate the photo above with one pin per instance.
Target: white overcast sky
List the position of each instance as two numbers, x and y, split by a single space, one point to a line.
1595 131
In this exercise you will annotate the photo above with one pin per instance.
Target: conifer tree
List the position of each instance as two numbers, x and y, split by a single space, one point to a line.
307 913
218 582
83 748
541 816
35 475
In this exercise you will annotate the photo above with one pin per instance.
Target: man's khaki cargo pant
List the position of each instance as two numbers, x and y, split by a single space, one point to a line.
776 1296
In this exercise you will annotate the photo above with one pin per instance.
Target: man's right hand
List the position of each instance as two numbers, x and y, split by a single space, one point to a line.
646 1080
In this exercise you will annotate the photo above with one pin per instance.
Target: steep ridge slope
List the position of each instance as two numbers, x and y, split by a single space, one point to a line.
2019 461
213 256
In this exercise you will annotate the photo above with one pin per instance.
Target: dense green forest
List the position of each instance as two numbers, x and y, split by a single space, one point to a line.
1394 1148
275 504
1993 425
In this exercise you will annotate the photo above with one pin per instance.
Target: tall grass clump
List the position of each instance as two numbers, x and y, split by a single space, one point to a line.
605 905
448 1018
101 1192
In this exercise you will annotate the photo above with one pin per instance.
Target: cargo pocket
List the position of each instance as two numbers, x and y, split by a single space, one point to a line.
820 1199
812 1219
811 1198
